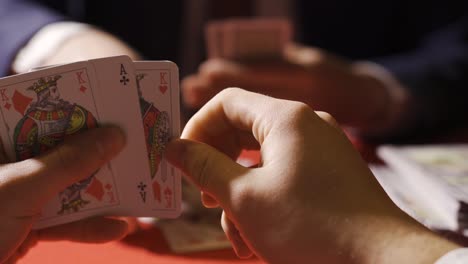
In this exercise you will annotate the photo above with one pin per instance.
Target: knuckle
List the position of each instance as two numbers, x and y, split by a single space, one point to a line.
300 108
299 113
211 65
215 77
243 198
230 92
327 118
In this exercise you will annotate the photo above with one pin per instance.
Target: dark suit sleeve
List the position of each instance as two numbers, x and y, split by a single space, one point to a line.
19 20
436 76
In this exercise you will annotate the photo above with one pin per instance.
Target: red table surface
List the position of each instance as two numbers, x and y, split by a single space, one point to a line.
145 246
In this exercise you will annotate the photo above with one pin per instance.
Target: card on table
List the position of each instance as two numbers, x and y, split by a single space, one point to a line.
40 109
408 198
434 173
444 165
158 90
248 39
187 236
214 39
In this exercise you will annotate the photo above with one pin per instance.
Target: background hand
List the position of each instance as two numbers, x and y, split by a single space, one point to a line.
90 44
308 75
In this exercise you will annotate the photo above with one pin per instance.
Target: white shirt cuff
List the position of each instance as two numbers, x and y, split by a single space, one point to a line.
44 43
457 256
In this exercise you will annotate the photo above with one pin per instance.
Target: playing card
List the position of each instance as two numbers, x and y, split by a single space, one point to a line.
436 174
409 199
158 90
185 236
45 67
120 105
214 39
41 109
255 39
445 165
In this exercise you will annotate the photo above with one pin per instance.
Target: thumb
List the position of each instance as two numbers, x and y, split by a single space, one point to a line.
34 181
212 171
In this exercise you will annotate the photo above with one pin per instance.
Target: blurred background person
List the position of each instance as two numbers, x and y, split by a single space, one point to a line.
389 70
385 68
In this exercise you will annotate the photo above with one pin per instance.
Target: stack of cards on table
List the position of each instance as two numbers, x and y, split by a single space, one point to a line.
248 39
44 107
185 235
429 182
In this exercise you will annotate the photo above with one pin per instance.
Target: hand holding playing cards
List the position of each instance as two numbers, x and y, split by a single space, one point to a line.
311 200
90 44
26 186
309 75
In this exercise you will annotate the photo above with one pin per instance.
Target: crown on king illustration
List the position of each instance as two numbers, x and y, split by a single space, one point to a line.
43 84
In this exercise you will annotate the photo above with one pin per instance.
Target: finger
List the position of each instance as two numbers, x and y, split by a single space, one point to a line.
329 119
132 223
27 244
209 201
212 171
214 76
76 159
236 118
219 74
237 242
93 230
196 91
302 55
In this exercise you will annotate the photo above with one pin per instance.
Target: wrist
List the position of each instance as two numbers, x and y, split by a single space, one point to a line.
398 239
374 230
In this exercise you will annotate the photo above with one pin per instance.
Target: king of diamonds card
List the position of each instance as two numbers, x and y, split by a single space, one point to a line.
38 113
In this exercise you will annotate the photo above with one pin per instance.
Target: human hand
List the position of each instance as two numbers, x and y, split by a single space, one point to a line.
90 44
27 185
311 200
308 75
